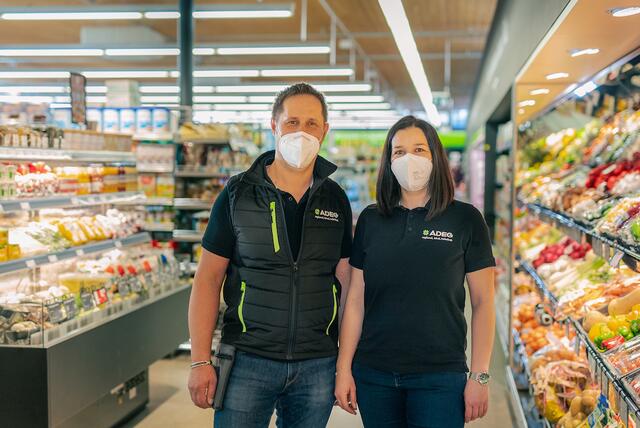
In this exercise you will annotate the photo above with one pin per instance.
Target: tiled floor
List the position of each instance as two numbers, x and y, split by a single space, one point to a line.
171 407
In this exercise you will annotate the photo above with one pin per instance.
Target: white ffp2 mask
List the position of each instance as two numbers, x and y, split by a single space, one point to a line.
298 149
412 171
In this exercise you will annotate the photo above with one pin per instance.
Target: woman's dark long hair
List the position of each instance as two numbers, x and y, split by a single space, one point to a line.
440 187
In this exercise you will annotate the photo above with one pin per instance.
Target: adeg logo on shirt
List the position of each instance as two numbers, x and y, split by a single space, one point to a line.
437 235
327 215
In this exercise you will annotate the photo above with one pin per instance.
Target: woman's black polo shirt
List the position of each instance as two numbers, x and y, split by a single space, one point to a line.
414 273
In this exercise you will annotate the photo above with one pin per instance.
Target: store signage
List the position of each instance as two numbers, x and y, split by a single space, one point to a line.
78 85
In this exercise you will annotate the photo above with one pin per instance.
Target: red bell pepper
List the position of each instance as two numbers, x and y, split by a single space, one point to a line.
614 342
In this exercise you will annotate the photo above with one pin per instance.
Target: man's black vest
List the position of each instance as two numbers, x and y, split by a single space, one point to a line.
281 305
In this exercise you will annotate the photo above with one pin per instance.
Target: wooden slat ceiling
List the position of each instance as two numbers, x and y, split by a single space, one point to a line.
464 23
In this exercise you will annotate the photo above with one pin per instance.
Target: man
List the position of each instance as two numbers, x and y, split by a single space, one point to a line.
281 235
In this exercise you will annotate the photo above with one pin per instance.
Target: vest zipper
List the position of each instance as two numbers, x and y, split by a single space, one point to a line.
243 288
335 308
274 227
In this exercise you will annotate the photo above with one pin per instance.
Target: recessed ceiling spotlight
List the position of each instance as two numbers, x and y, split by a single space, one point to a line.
541 91
555 76
620 12
526 103
579 52
521 111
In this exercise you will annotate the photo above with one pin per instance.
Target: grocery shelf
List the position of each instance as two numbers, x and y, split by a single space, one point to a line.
184 173
163 202
99 156
70 201
514 396
70 253
157 170
159 227
600 367
154 138
211 141
608 248
182 235
192 204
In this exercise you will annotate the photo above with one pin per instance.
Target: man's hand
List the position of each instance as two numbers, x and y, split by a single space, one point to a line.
346 392
476 400
202 386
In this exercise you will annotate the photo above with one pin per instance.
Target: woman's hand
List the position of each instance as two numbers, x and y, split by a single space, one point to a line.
476 401
346 391
202 386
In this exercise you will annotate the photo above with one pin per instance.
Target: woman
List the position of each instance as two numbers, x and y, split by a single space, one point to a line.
405 308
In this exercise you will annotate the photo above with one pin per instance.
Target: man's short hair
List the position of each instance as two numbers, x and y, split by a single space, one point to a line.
298 89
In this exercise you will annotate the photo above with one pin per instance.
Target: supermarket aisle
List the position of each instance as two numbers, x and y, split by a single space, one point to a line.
171 407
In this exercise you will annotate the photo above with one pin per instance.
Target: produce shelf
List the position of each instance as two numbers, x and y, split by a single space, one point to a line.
101 156
161 202
192 204
608 248
187 236
70 253
29 204
627 401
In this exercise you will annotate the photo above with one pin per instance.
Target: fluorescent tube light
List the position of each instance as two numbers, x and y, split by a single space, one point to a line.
274 50
226 73
250 88
69 16
96 89
580 52
526 103
34 74
585 89
219 99
355 87
203 89
204 51
51 52
232 14
541 91
262 99
97 100
555 76
242 107
59 105
361 106
159 99
33 89
25 99
294 72
62 99
162 15
115 74
143 52
399 24
621 12
354 98
159 89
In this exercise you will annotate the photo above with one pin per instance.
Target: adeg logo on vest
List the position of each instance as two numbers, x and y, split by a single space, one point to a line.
437 235
327 215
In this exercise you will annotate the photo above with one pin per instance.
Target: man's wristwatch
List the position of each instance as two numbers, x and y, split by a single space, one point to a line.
482 378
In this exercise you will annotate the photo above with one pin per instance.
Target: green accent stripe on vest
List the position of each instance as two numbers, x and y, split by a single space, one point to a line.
274 227
243 287
335 308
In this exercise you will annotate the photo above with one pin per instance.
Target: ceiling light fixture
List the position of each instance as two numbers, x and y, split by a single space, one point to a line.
204 51
621 12
521 111
274 88
294 72
143 52
23 99
526 103
226 73
354 98
541 91
70 16
580 52
159 89
97 100
234 14
162 15
34 74
274 50
96 89
397 20
361 106
33 89
242 107
221 99
51 52
555 76
159 99
133 74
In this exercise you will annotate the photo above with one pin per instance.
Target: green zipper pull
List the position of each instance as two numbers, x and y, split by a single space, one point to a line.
274 227
335 308
243 288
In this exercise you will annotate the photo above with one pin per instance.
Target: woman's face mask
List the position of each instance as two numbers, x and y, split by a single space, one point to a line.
298 149
412 171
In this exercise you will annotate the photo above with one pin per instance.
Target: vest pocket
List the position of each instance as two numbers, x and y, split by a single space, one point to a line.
274 227
335 308
243 288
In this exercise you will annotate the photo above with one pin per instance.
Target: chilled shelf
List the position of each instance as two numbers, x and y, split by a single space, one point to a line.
159 227
70 253
70 201
181 235
192 204
29 154
189 173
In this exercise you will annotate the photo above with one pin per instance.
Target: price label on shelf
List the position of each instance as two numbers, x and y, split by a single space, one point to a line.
1 208
75 201
30 263
52 258
79 252
118 244
26 206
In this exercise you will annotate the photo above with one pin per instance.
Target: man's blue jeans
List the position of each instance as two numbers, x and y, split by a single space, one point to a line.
425 400
301 392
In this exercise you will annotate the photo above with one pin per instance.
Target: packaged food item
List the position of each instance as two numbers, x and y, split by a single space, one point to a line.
161 124
4 253
144 121
14 252
111 120
625 358
4 236
128 121
165 186
147 184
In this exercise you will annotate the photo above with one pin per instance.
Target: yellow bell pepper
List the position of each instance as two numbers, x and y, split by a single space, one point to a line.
618 321
596 330
633 315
